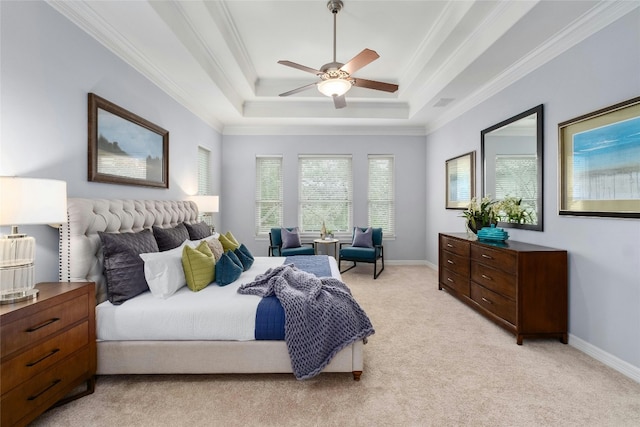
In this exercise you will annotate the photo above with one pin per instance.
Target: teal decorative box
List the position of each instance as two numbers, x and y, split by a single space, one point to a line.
493 234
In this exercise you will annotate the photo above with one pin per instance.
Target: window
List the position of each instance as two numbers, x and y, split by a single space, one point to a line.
204 172
381 194
516 176
268 193
325 193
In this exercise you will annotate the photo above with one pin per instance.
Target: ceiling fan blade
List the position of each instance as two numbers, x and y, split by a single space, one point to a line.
300 67
339 101
360 60
372 84
300 89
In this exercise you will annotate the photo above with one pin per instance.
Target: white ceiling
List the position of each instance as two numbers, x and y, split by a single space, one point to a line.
219 58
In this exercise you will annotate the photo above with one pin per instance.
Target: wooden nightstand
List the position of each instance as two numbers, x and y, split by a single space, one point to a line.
48 348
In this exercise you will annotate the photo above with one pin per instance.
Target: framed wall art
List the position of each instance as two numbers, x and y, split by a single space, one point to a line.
125 148
460 180
600 162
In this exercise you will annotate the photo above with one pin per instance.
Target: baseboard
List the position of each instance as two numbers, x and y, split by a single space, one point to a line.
405 262
608 359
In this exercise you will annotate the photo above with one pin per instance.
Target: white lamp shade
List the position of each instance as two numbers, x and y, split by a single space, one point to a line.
206 204
335 86
32 201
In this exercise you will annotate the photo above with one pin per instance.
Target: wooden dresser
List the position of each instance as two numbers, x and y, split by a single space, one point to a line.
520 286
48 348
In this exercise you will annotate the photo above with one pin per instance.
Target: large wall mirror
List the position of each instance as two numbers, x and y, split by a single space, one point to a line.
512 163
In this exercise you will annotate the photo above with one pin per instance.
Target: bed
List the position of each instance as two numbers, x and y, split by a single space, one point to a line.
82 259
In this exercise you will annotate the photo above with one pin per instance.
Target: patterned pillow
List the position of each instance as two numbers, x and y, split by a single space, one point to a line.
245 257
198 231
227 271
169 238
290 239
199 266
363 239
124 269
216 248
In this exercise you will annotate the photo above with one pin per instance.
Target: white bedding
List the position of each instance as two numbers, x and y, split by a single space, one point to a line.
214 313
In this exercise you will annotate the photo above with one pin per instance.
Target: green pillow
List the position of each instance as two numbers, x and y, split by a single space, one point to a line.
232 238
228 244
227 271
199 266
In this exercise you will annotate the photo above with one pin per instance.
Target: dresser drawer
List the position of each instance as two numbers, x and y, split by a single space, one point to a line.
456 263
37 359
30 329
43 390
500 259
493 279
495 303
455 246
456 281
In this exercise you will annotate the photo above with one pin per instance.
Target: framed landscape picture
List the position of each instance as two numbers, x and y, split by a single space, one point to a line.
600 162
460 178
125 148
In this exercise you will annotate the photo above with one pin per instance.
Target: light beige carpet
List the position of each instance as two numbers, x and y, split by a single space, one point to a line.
432 362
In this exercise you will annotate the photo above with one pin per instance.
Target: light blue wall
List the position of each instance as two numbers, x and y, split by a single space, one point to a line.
238 189
47 69
604 253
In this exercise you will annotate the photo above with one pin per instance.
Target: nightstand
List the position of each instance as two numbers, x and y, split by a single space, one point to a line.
48 348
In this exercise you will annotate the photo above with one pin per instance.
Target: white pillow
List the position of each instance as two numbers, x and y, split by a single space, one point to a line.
163 271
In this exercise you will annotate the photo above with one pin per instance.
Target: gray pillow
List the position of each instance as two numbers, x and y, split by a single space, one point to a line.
123 267
198 231
363 239
169 238
290 239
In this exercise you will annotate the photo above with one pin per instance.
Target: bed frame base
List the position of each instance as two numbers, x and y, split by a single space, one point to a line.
211 357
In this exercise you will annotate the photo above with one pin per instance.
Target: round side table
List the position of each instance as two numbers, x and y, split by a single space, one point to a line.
327 242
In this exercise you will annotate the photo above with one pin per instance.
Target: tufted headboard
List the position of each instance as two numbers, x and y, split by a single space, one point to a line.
81 258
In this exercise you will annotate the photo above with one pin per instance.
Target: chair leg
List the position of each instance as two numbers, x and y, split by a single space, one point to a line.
354 264
375 264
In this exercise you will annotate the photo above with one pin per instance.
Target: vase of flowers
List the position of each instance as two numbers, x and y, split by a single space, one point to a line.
481 214
489 211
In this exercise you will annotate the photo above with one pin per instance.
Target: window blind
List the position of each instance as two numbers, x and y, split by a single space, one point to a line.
204 173
325 193
516 176
268 210
381 193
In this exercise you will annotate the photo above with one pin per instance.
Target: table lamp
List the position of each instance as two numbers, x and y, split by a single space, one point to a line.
206 206
25 201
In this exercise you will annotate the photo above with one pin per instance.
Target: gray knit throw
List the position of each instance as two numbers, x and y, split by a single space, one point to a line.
321 316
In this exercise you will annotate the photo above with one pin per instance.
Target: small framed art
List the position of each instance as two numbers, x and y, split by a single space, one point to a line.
125 148
460 181
600 162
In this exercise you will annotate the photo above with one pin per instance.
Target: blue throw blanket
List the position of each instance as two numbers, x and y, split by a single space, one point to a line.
321 316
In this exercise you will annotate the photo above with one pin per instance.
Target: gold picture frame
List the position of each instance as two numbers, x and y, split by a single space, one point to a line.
125 148
599 164
460 181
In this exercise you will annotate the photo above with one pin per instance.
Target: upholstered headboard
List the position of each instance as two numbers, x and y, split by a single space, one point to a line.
81 257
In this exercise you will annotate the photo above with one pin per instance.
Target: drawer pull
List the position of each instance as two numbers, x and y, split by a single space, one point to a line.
449 245
43 324
35 362
449 261
486 256
486 277
449 279
35 396
486 300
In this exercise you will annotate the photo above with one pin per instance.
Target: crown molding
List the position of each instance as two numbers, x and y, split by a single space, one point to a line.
351 130
596 19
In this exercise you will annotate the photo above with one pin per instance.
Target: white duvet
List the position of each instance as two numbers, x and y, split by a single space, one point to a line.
214 313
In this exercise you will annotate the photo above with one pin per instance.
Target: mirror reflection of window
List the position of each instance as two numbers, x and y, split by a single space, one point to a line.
517 176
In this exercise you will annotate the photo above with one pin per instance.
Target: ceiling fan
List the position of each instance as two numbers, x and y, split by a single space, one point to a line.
336 78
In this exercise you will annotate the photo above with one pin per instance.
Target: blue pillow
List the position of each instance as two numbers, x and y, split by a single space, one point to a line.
290 239
363 239
227 271
245 257
234 258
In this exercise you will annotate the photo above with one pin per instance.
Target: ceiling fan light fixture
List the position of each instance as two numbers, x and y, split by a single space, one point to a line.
334 87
